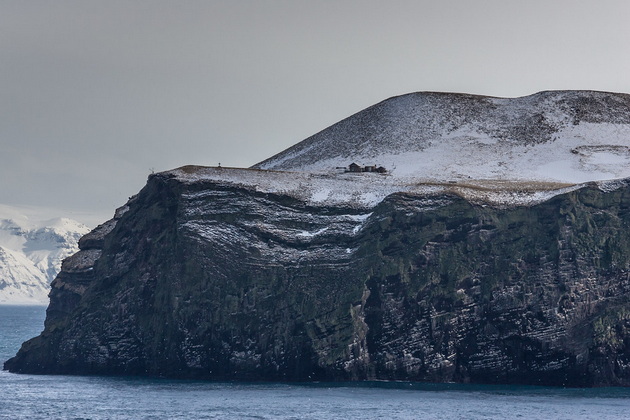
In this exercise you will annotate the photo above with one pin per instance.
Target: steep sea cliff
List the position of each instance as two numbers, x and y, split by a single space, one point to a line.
204 279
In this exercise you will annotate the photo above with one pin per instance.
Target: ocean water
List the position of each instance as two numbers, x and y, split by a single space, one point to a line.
75 397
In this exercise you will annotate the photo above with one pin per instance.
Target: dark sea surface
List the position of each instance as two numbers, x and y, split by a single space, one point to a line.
75 397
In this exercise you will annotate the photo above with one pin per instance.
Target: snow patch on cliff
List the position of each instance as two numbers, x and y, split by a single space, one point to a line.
306 234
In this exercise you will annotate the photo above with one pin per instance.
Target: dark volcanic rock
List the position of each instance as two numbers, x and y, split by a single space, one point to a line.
214 280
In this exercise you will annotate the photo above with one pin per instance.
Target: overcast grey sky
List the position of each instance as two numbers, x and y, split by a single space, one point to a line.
96 94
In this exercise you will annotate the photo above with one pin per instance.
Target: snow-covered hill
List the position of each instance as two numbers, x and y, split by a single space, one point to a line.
556 136
500 151
31 252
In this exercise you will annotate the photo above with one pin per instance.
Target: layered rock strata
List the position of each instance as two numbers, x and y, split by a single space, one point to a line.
201 278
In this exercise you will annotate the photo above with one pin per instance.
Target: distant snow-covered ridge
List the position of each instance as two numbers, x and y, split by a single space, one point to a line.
31 252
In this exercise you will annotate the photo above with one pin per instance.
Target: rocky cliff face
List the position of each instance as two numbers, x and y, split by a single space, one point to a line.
490 251
201 278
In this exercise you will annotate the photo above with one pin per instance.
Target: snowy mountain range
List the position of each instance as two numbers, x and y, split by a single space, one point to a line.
31 252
